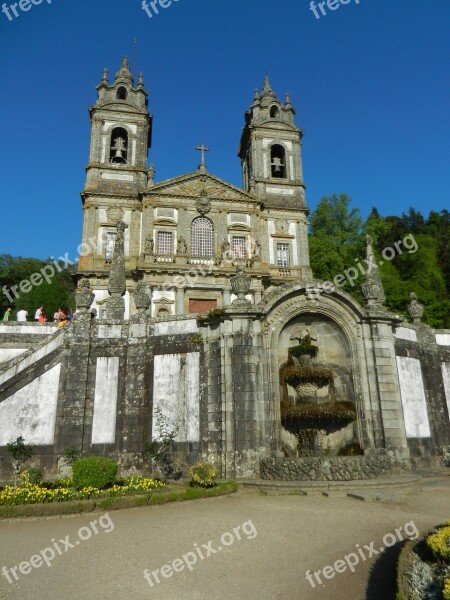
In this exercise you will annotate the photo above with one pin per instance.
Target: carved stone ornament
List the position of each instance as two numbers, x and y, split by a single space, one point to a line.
241 284
282 226
84 296
203 205
415 309
141 298
114 215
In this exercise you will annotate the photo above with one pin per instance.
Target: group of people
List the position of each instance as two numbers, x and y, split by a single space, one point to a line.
60 316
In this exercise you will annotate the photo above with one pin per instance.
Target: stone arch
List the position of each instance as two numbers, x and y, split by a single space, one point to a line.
290 303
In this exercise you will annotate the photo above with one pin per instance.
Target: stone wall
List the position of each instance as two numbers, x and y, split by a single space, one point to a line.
336 468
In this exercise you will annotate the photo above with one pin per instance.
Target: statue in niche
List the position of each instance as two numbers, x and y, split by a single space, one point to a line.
149 245
257 250
225 249
182 245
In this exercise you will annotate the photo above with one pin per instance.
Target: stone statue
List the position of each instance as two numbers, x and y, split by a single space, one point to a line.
182 245
257 250
149 245
225 249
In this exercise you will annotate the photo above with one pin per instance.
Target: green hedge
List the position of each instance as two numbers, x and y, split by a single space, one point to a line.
94 471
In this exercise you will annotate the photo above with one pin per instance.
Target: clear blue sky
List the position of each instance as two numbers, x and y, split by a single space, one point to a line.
370 83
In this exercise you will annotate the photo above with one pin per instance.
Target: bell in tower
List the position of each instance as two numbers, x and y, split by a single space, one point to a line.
119 147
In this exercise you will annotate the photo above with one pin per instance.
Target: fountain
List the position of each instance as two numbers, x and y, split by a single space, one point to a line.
309 417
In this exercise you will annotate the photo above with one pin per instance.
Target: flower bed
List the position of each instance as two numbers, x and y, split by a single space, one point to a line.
62 491
424 567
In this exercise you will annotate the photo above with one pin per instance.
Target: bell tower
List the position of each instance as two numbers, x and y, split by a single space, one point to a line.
270 151
116 175
121 129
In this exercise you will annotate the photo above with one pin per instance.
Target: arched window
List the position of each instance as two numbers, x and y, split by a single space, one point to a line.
202 237
274 112
122 93
119 146
278 161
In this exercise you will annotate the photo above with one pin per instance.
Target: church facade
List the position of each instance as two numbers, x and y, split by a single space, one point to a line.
184 237
196 304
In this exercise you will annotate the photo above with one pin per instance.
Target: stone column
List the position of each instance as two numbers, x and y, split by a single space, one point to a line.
179 301
226 297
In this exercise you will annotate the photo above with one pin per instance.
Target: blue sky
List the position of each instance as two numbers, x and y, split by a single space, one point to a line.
370 83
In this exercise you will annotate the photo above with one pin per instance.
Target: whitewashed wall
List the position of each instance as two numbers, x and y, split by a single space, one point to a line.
105 400
176 391
31 411
413 397
7 354
446 378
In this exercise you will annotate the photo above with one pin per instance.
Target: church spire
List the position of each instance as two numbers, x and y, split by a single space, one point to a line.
124 73
267 90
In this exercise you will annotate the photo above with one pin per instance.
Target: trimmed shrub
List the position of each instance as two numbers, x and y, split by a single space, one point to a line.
33 476
203 474
95 471
439 543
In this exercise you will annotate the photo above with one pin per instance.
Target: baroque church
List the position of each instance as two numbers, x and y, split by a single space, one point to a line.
197 305
185 236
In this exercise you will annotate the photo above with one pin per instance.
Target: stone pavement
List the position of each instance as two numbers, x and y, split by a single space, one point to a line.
282 535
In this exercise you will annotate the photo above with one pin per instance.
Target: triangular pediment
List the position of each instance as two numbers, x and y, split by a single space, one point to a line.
196 184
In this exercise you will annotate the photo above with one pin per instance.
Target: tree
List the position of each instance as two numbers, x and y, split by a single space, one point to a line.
57 292
336 239
20 453
155 451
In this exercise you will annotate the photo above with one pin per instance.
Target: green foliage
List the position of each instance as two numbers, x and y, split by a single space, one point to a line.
58 293
33 475
439 543
155 450
203 475
337 242
336 239
71 455
94 471
20 453
305 348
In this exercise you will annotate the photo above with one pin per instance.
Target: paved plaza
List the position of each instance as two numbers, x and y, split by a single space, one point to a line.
253 545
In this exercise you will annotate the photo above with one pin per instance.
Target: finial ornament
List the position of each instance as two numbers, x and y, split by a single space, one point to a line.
84 296
372 288
141 80
115 306
142 299
151 175
415 309
288 103
105 76
124 73
241 284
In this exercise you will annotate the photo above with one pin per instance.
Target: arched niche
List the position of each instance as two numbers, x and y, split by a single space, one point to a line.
335 354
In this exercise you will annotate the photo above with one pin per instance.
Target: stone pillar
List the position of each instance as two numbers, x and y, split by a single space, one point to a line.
179 301
76 403
385 386
226 297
